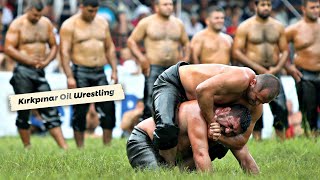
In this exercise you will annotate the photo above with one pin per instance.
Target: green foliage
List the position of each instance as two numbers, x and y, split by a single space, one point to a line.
293 159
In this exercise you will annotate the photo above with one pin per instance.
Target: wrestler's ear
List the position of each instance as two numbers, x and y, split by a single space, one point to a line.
253 82
303 9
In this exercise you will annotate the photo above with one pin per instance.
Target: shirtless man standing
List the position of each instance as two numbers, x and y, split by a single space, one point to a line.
195 151
211 85
306 68
260 43
211 45
163 35
26 42
86 41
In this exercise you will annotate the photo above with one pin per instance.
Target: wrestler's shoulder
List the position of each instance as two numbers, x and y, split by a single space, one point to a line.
246 24
101 19
19 21
45 21
200 35
70 21
276 23
176 20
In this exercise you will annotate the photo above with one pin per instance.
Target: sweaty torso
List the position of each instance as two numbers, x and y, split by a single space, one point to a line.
88 42
306 39
192 75
33 38
215 48
162 41
262 42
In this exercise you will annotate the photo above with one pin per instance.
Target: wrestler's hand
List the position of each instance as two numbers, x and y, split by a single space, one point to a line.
214 131
42 64
294 72
145 66
114 77
272 70
34 62
71 83
261 70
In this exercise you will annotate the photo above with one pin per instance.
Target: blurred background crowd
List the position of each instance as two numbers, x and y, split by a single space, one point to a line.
124 15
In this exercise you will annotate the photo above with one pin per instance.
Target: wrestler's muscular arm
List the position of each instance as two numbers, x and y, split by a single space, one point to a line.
52 44
185 43
245 160
231 82
291 68
12 44
196 46
237 142
138 34
283 47
66 35
239 46
111 54
197 133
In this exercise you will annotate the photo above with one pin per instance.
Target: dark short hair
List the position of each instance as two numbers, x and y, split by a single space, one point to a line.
36 4
257 1
271 82
212 9
305 2
238 110
92 3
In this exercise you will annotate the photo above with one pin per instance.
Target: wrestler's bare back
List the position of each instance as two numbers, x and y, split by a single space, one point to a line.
192 75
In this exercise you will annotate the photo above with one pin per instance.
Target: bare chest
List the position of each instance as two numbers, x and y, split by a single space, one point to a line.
259 34
34 34
215 45
89 32
163 31
307 36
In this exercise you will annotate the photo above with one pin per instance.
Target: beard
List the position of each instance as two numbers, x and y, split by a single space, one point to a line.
263 15
311 17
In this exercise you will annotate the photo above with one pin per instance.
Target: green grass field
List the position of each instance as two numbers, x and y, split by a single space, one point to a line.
293 159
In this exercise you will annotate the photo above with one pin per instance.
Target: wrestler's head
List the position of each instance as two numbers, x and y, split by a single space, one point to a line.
263 8
215 18
34 10
233 120
89 9
311 9
263 89
164 8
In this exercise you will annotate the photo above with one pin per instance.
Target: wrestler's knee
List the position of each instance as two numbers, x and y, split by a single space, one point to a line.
53 124
79 124
107 123
165 136
22 119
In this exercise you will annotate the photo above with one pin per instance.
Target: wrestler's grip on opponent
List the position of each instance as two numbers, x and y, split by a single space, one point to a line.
214 129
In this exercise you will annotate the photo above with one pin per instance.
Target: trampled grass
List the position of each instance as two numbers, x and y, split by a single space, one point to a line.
293 159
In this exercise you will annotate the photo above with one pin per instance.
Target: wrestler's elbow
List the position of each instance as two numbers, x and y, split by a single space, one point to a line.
235 54
130 42
201 90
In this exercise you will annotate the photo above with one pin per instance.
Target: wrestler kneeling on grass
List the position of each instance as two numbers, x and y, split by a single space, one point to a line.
195 150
